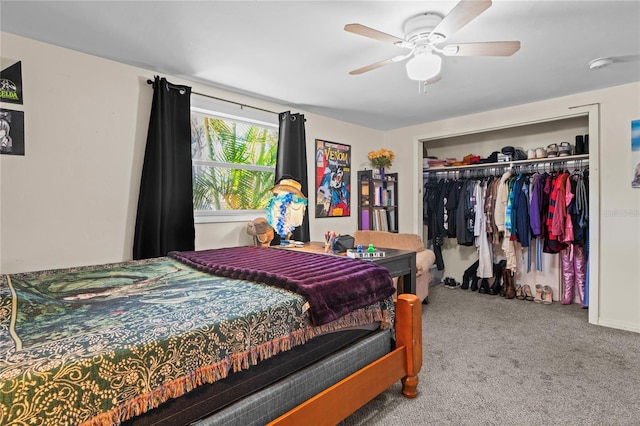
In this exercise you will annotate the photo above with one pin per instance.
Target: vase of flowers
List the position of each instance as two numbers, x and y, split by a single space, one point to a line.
381 159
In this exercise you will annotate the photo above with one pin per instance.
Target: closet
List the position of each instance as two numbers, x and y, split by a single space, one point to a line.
457 258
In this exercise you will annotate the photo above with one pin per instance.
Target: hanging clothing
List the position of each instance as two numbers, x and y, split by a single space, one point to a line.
465 214
507 212
502 194
485 254
432 218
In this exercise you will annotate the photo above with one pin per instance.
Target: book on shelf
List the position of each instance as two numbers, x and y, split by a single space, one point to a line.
384 224
365 219
379 220
391 220
376 220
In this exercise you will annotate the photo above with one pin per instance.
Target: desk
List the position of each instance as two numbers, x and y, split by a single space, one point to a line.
400 263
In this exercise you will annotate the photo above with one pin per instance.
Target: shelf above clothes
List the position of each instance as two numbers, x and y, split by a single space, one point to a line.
537 164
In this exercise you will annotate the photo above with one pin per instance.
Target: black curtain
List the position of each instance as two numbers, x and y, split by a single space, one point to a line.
292 162
165 206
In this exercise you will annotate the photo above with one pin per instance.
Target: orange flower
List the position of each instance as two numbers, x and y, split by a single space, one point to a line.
381 158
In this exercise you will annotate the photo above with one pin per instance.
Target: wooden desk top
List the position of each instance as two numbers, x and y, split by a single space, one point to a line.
398 262
318 247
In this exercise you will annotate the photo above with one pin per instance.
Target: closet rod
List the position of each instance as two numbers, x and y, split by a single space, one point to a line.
228 101
584 158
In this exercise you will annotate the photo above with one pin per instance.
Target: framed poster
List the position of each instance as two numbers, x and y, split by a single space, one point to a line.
11 81
333 179
11 132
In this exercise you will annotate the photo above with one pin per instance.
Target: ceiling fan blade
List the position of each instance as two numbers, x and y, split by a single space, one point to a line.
626 58
486 48
434 79
380 64
463 13
371 33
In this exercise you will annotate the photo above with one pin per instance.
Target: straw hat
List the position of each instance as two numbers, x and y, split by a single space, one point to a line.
285 186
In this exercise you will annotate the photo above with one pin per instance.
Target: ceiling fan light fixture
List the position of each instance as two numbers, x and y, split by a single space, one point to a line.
424 66
599 63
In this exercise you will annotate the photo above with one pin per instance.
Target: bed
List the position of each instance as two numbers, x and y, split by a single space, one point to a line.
164 341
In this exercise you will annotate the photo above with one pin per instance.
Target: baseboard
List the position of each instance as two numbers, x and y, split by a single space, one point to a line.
620 325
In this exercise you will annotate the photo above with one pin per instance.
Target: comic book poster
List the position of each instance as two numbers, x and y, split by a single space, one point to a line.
333 179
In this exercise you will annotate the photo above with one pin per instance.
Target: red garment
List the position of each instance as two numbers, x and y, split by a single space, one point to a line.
560 211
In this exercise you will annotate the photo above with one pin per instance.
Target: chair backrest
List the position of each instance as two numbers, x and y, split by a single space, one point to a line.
389 240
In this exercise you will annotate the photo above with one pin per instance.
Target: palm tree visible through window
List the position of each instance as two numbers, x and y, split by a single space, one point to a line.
233 162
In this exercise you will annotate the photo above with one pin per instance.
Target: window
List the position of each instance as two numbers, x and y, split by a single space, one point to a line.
233 157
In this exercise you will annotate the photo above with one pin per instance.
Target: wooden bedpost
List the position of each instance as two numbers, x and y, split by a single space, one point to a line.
409 335
334 404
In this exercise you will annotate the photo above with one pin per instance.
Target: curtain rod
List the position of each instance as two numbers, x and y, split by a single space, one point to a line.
226 100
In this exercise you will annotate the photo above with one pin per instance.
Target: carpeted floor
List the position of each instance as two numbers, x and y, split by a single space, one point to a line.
492 361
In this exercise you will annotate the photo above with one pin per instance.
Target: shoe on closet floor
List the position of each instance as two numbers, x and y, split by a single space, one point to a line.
526 289
465 282
519 292
495 287
538 297
508 284
547 295
474 283
450 282
484 286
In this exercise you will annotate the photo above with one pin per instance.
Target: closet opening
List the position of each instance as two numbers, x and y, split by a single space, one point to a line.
537 264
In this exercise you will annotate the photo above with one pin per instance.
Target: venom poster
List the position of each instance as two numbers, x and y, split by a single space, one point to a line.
333 179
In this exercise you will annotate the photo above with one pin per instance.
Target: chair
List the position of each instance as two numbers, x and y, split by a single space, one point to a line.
424 257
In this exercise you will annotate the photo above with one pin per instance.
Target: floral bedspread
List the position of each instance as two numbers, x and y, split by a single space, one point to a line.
99 345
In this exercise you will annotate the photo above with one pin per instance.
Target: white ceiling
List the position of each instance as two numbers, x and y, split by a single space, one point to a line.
296 53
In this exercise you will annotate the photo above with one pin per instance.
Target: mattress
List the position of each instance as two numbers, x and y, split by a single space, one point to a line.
98 345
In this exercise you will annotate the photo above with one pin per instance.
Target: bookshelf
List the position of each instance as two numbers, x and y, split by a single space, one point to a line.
377 201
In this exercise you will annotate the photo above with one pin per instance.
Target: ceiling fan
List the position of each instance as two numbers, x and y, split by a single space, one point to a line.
423 35
606 61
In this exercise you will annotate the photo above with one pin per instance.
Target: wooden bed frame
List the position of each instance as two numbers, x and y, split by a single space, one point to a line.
348 395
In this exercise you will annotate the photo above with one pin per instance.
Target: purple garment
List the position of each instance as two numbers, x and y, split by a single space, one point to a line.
333 285
535 208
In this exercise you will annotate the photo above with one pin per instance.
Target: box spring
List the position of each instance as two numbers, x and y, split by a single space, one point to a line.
264 392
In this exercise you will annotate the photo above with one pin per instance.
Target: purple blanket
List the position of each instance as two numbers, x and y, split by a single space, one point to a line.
333 285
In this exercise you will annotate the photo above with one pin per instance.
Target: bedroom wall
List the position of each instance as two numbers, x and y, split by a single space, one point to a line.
619 215
72 199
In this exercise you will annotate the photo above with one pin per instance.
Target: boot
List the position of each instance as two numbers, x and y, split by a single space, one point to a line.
496 287
580 271
510 290
474 283
466 278
504 281
484 286
579 149
469 274
568 276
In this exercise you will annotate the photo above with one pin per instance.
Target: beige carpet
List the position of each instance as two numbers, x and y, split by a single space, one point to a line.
492 361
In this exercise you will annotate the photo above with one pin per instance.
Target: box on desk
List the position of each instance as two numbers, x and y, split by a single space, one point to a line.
364 254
